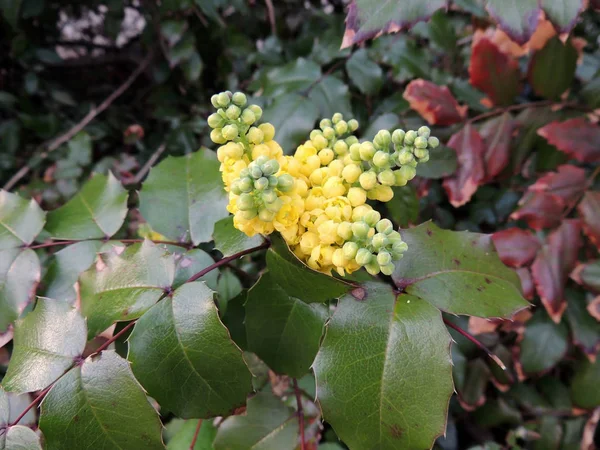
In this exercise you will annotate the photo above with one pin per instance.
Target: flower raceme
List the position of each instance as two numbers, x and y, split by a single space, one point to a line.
317 198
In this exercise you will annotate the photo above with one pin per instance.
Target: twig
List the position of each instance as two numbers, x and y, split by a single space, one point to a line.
300 413
520 106
329 71
114 338
271 12
146 168
57 142
35 401
196 433
125 241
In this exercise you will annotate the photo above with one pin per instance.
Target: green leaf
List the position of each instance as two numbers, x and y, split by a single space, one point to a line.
11 11
387 121
192 68
384 373
80 149
21 438
584 328
267 425
283 331
404 207
591 92
183 197
97 211
544 343
228 287
229 240
19 277
297 279
295 76
563 13
20 220
172 30
66 266
46 343
458 272
185 332
552 69
293 116
365 73
442 163
182 439
124 286
518 18
12 405
99 404
192 262
584 385
331 95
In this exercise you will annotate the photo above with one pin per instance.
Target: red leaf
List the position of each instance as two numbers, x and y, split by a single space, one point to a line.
589 210
469 148
540 210
568 183
516 247
494 72
594 308
578 138
554 263
497 134
434 103
526 283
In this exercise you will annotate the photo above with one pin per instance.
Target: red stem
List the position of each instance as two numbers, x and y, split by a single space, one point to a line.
196 433
300 413
125 241
35 401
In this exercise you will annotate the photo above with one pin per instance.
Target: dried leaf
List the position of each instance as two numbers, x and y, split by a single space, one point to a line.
540 210
568 183
516 247
497 135
589 210
577 137
434 103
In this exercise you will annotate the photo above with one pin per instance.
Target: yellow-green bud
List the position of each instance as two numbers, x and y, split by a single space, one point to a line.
355 152
248 117
421 142
215 100
388 269
250 214
400 178
266 216
341 127
367 150
351 172
268 131
433 142
424 131
345 231
353 124
215 121
381 158
408 172
261 183
216 136
340 148
405 156
274 206
373 268
384 258
255 135
320 142
398 137
385 226
223 99
383 138
328 133
257 110
368 180
270 167
421 153
245 202
233 112
379 241
246 184
372 217
356 196
410 137
350 249
230 132
387 178
239 98
363 256
324 123
285 182
337 117
360 230
350 140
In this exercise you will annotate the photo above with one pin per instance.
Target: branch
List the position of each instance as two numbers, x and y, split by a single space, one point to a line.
271 12
57 142
124 241
300 413
520 106
144 170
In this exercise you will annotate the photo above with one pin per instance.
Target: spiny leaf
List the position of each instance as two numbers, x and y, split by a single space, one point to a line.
434 103
540 210
20 220
589 209
497 137
567 183
552 69
577 138
229 240
518 18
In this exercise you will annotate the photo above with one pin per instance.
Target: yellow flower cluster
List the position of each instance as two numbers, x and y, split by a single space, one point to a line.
317 198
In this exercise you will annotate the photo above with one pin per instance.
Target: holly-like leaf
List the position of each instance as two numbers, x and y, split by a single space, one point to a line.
568 183
493 71
442 163
470 148
544 343
518 18
283 331
540 210
584 385
497 136
563 13
97 211
584 328
382 360
434 103
192 262
183 197
185 332
577 137
552 69
458 272
364 72
20 220
297 279
589 210
184 431
554 263
516 247
331 95
267 425
46 343
293 116
404 207
19 277
229 240
124 286
92 405
295 76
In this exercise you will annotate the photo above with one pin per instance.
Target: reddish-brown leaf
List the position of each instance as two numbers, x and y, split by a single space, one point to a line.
469 147
588 275
568 183
594 308
497 135
434 103
494 72
589 210
554 263
577 137
519 22
527 285
540 210
516 247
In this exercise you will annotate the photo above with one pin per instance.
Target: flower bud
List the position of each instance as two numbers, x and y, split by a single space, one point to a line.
368 180
326 156
320 142
345 230
239 98
381 158
384 226
215 121
424 159
353 125
248 117
261 183
233 150
379 241
351 172
383 258
408 172
351 140
273 181
270 167
340 148
328 133
386 178
350 249
235 188
373 268
266 216
255 136
285 182
268 131
363 256
360 230
257 110
314 133
354 151
366 150
388 269
274 206
433 142
246 184
398 137
400 247
372 217
223 99
233 112
421 153
420 142
405 156
424 131
255 171
269 196
383 138
249 214
324 123
341 127
357 196
410 137
338 259
230 132
216 136
215 100
337 117
400 179
245 202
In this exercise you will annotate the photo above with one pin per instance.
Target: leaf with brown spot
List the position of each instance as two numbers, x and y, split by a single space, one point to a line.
497 135
589 210
554 263
516 247
578 138
469 147
434 103
568 183
540 210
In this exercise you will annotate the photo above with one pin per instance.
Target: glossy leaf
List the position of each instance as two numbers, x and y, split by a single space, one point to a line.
295 76
283 331
124 286
563 13
364 72
11 407
183 197
46 343
544 343
267 425
297 279
442 163
470 148
21 220
552 69
540 210
97 211
458 272
567 183
21 438
404 207
585 329
497 137
93 403
331 95
192 262
382 359
589 210
19 277
183 437
584 385
185 332
576 137
516 247
434 103
518 18
229 240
